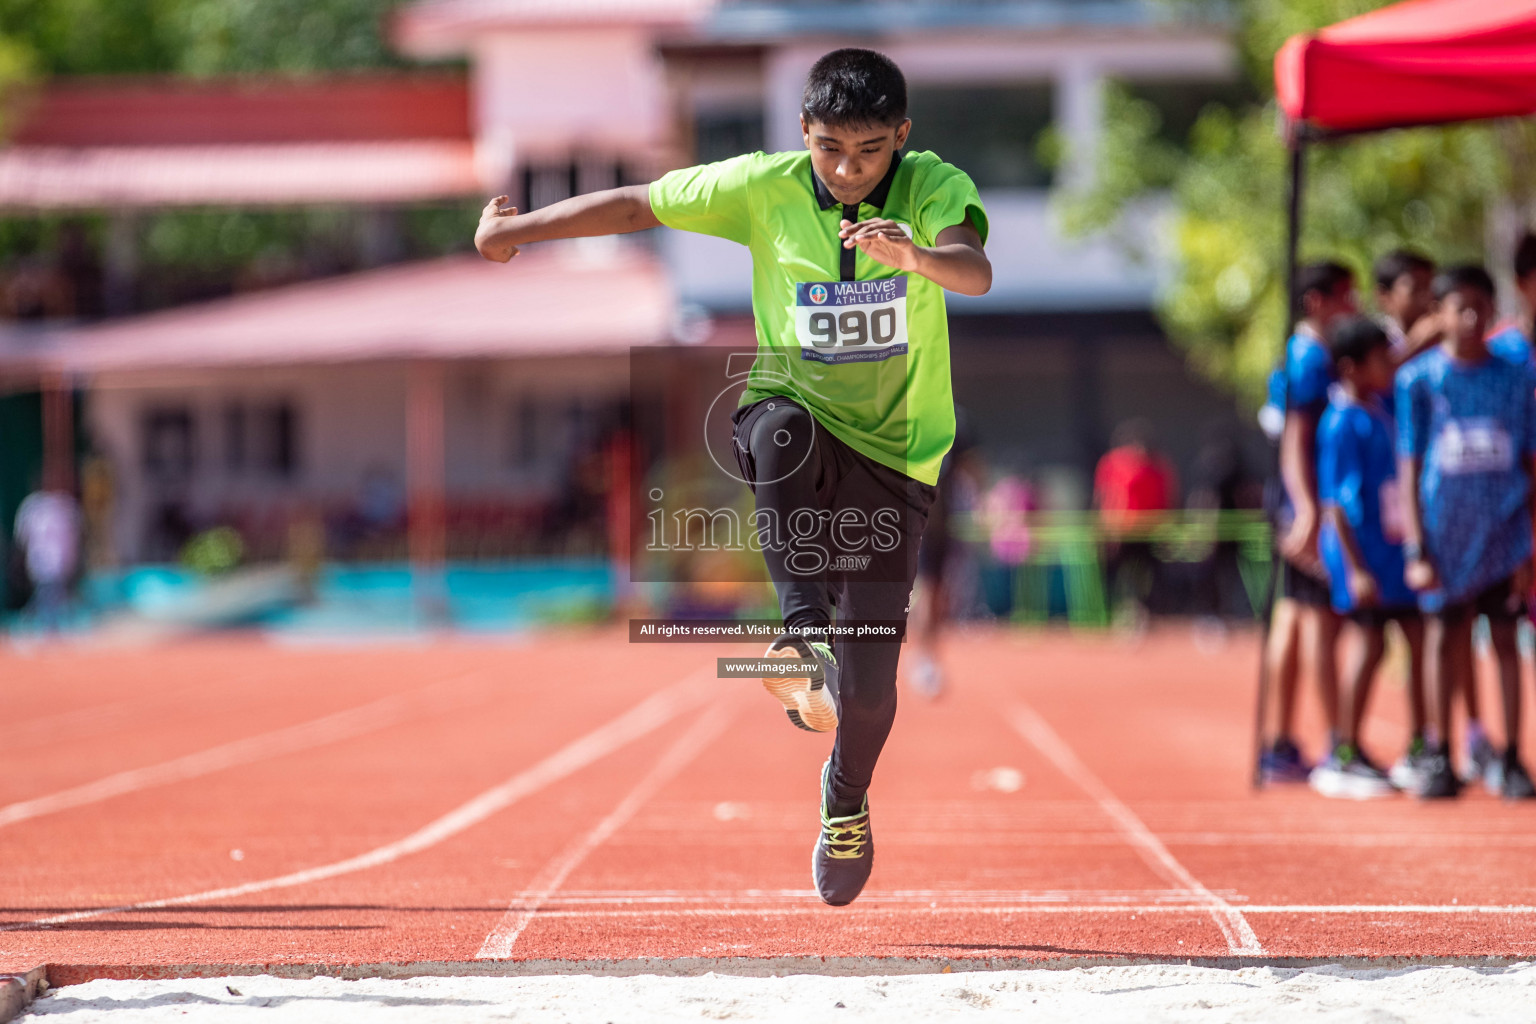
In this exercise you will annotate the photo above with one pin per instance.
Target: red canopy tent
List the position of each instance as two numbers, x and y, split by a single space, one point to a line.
1414 63
1418 62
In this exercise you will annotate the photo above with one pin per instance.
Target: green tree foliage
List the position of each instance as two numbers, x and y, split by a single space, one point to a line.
190 254
200 37
1430 189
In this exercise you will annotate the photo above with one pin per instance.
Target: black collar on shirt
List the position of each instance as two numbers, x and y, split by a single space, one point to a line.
847 265
876 198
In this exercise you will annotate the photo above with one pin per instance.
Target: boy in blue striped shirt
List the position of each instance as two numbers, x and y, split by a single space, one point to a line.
1467 451
1362 539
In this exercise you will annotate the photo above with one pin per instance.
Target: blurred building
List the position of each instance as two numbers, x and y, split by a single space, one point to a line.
248 407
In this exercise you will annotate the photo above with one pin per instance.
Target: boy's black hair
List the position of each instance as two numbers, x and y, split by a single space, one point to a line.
1525 257
1355 337
1397 263
855 87
1322 278
1466 275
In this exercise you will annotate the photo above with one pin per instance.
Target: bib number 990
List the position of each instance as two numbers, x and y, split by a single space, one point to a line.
853 327
851 321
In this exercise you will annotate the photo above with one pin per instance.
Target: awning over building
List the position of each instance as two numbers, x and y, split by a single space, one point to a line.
98 177
556 299
439 27
1418 62
109 143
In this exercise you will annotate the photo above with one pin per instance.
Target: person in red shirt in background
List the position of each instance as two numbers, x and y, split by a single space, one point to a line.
1132 486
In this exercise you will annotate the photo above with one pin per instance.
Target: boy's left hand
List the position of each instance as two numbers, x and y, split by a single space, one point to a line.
1362 587
494 212
882 241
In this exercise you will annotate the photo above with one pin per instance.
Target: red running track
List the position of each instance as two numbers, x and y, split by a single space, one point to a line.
233 802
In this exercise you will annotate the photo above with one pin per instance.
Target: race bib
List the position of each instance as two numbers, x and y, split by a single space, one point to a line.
1475 446
851 321
1391 499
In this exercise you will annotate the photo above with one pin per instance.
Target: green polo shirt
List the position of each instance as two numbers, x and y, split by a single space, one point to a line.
863 346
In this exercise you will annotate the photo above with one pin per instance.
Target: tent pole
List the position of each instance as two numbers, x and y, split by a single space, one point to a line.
1293 227
1297 185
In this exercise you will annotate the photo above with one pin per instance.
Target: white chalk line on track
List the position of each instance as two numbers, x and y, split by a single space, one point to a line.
92 721
640 720
498 944
1039 734
926 897
875 909
333 728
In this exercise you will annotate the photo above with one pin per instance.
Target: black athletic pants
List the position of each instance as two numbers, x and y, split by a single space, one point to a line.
838 530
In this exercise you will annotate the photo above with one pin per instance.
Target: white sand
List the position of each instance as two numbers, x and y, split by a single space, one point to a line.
1158 993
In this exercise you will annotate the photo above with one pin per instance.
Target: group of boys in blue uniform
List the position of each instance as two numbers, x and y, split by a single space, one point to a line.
1408 455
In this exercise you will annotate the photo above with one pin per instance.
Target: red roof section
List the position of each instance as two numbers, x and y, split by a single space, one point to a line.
1417 62
583 298
277 174
170 112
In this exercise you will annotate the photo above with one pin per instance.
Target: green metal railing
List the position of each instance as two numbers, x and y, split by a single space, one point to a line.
1073 543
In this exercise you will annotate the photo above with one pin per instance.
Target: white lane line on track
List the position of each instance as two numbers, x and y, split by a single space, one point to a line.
645 717
498 944
332 728
92 721
1038 733
1193 909
923 897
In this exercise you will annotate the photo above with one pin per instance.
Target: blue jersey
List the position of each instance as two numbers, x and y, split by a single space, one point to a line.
1474 427
1357 474
1309 373
1302 388
1511 344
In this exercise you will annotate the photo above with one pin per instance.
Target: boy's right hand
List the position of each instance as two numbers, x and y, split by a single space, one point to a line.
486 242
1427 330
1362 587
1420 575
1300 545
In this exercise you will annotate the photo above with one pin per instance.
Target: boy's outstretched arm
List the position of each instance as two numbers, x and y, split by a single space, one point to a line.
955 261
614 211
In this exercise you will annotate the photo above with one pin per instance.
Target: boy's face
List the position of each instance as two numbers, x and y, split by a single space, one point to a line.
1374 373
1466 314
851 160
1409 298
1324 308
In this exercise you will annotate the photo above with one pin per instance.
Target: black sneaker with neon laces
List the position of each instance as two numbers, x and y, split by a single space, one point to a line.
844 853
808 697
1440 781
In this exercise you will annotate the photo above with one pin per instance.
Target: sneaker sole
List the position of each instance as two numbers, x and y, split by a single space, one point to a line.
1351 789
805 699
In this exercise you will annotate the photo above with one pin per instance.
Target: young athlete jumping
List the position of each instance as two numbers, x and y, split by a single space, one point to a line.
848 412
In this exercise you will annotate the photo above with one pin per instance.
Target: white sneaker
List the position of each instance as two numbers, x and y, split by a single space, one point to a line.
1351 778
927 677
